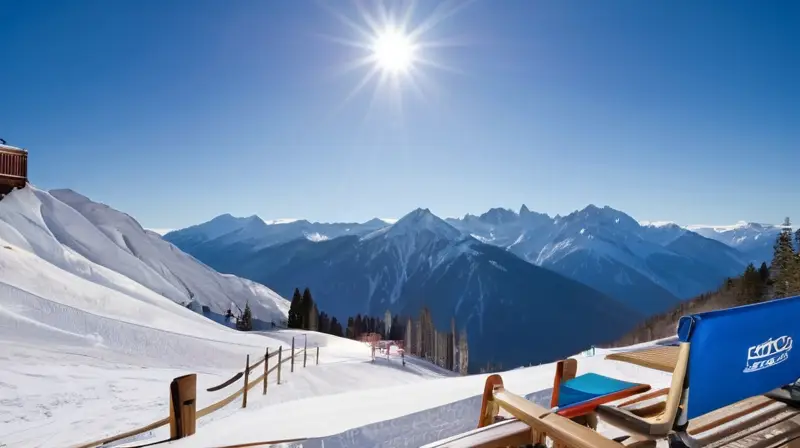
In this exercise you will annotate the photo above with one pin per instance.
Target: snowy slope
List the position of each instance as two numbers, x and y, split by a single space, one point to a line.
399 415
80 342
89 239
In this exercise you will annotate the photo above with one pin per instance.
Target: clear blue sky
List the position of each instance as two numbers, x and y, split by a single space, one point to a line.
178 111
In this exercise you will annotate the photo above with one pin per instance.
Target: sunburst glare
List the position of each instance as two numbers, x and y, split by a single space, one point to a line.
393 51
396 53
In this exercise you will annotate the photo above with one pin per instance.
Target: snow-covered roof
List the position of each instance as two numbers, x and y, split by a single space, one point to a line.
13 148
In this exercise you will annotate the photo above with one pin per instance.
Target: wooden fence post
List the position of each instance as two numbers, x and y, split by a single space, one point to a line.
246 377
182 417
305 351
280 355
292 361
317 355
266 370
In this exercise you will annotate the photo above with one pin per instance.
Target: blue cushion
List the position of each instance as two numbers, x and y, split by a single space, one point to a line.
589 387
740 352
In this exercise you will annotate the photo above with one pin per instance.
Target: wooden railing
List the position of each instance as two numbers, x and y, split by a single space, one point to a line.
183 417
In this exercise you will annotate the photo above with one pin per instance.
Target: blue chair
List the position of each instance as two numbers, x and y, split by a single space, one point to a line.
724 357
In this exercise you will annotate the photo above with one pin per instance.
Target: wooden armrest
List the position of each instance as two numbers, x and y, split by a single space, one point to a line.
627 420
560 429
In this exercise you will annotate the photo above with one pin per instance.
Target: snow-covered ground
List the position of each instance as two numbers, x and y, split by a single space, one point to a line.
91 334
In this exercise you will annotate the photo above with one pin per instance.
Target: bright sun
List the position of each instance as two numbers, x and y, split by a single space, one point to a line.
393 51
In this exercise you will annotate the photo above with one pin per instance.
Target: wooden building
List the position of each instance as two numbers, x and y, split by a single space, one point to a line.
13 168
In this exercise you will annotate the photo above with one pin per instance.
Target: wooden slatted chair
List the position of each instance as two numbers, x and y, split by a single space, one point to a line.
730 373
737 363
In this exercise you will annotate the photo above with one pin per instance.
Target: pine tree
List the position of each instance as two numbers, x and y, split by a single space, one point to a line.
245 321
350 332
784 269
307 309
336 327
797 239
752 285
314 318
763 272
357 326
294 310
324 323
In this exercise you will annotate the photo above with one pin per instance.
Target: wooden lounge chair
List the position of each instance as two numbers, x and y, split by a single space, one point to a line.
737 363
732 364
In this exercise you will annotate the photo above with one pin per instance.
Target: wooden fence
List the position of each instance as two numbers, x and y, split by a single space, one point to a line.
183 390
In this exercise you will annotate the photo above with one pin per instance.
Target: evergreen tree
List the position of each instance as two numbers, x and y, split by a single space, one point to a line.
763 272
294 310
358 326
307 309
245 321
336 327
324 323
752 285
784 269
797 239
314 318
350 333
397 331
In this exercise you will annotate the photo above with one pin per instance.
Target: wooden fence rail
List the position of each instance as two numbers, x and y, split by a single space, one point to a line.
177 419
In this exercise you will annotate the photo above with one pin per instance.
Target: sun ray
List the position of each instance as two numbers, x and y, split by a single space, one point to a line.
345 20
439 65
408 13
439 15
344 41
445 43
353 65
373 25
364 81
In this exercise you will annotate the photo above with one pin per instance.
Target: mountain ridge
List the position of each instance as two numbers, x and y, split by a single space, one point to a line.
599 246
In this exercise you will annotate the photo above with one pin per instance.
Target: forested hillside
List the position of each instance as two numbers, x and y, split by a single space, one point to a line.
780 279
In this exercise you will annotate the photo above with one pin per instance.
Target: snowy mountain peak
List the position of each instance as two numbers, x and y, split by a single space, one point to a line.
499 216
524 210
376 222
594 215
419 220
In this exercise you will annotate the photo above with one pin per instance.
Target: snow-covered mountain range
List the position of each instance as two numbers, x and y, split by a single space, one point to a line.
111 251
647 266
423 261
754 240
